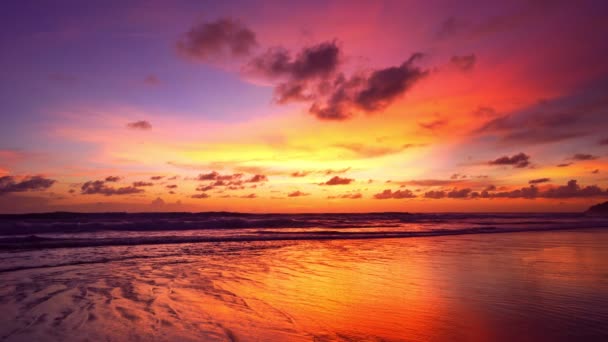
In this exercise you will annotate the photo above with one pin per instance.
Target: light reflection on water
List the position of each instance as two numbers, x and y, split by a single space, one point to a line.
499 287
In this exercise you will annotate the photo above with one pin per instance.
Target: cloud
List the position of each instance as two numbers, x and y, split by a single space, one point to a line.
564 164
140 125
142 184
157 177
158 202
539 180
464 63
337 180
596 171
113 179
434 124
201 195
347 196
399 194
328 172
457 176
9 184
368 151
603 141
211 41
99 187
300 173
171 186
249 196
431 182
582 156
297 193
519 160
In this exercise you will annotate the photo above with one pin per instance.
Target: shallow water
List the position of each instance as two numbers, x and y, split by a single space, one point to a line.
524 286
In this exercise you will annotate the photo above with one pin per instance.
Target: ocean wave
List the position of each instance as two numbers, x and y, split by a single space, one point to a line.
37 242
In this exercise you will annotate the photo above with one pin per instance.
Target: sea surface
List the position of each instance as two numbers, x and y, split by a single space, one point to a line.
306 277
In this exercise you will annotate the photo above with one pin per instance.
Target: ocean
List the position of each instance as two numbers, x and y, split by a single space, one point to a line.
303 277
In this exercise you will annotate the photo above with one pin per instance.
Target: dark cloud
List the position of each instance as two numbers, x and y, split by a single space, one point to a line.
157 177
171 186
564 164
201 195
219 39
460 193
462 28
313 76
297 193
99 187
112 179
582 156
435 194
249 196
214 175
318 61
519 160
337 180
399 194
205 188
384 85
9 184
140 184
257 178
596 171
572 116
539 180
482 111
141 125
572 189
368 92
465 63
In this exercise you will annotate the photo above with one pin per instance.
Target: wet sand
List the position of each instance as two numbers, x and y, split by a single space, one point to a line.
530 286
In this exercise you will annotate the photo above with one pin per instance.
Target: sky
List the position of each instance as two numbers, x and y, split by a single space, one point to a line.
317 106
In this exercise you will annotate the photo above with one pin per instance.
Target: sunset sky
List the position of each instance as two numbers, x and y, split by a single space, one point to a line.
316 106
